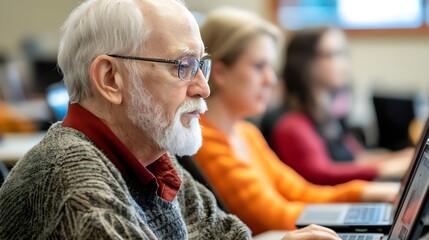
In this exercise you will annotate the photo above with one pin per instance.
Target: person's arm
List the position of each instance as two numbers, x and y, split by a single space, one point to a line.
293 186
313 232
79 219
249 190
391 164
268 194
89 201
347 192
352 191
247 193
297 144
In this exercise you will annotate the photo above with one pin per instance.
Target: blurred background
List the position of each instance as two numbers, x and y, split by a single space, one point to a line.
388 50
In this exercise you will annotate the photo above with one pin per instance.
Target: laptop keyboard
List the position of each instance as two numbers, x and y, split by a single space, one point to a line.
363 215
357 236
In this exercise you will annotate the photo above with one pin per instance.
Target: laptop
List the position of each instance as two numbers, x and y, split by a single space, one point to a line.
412 212
361 217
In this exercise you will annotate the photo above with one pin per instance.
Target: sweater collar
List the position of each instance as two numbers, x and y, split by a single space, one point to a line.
160 176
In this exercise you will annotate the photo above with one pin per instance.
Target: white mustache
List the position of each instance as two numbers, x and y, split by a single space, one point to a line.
197 105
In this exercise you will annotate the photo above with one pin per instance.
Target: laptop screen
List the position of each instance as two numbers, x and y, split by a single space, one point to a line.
407 176
411 210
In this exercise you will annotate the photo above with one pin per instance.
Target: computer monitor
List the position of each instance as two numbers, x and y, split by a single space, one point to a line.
394 115
46 73
57 99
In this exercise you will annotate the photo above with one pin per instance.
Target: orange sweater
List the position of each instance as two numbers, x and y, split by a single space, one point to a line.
262 191
11 122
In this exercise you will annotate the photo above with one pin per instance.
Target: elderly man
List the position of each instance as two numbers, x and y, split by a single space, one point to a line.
136 72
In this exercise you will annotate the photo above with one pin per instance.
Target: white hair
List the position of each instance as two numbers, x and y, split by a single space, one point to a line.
99 27
93 28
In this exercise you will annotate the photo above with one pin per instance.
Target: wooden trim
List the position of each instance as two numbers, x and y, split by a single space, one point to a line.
272 12
424 30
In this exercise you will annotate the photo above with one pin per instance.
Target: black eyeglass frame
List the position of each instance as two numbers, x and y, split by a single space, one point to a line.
201 63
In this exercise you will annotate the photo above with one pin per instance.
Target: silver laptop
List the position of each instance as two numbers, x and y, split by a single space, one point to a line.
412 211
361 217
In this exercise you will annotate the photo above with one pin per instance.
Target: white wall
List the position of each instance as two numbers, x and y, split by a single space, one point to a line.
257 6
22 18
389 63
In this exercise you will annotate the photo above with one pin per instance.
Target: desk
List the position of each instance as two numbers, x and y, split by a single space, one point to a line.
13 146
35 109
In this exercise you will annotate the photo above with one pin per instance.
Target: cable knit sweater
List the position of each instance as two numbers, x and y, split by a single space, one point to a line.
66 188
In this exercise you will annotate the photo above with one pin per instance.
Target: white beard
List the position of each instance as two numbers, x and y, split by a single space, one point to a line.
181 140
172 136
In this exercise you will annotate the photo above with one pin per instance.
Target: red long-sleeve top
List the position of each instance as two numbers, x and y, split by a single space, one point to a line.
297 143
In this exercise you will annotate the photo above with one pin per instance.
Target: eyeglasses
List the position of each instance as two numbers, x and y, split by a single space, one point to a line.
187 66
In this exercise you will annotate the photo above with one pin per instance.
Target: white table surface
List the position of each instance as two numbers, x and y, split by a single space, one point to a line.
14 146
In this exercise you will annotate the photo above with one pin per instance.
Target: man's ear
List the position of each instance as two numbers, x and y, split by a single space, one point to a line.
219 71
107 79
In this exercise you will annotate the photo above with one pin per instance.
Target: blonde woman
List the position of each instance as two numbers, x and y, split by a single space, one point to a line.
250 180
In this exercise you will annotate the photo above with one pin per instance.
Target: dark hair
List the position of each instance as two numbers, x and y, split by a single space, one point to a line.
300 54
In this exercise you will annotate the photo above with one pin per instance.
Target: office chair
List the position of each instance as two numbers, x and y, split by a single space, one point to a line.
188 163
269 121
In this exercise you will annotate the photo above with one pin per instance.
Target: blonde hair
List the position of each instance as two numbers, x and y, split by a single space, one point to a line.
227 31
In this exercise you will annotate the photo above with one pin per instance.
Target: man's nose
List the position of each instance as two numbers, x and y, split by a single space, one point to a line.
199 86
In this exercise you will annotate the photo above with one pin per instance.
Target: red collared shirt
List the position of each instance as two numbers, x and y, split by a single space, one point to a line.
160 176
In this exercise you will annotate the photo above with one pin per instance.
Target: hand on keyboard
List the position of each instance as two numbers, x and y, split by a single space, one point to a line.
313 232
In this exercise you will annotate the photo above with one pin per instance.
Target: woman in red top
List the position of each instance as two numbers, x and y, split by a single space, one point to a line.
309 136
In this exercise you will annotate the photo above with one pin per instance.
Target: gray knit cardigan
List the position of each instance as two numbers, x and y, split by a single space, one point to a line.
66 188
